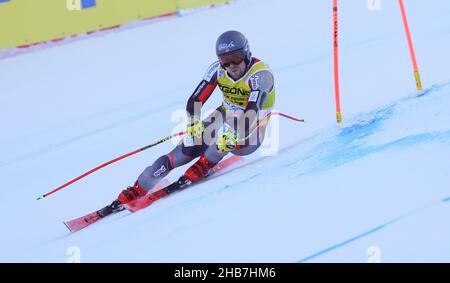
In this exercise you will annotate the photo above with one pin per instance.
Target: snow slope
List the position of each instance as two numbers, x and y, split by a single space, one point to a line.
373 189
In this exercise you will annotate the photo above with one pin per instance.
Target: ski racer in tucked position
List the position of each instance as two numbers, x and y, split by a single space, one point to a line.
248 91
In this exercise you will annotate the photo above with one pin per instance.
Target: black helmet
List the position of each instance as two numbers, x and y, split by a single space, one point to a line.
231 41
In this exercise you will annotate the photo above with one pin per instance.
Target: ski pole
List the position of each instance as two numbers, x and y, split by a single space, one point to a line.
110 162
265 119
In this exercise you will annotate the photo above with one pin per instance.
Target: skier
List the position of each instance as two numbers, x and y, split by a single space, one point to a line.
247 85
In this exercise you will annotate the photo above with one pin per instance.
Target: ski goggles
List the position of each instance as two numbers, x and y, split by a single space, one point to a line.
233 58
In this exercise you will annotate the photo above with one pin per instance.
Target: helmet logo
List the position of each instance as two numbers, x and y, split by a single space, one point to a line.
226 45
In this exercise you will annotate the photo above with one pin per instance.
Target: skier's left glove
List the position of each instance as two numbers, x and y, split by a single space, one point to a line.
227 142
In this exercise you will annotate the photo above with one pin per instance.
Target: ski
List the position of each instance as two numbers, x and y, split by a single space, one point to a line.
181 183
163 189
79 223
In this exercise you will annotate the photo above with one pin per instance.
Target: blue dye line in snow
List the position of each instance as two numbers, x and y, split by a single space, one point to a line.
351 153
348 144
332 248
371 231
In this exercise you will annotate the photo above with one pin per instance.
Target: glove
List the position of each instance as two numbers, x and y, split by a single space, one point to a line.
195 127
227 142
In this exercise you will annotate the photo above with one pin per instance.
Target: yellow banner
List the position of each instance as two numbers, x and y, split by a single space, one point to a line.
186 4
24 22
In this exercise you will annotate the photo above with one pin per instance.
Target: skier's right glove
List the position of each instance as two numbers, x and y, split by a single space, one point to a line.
195 127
